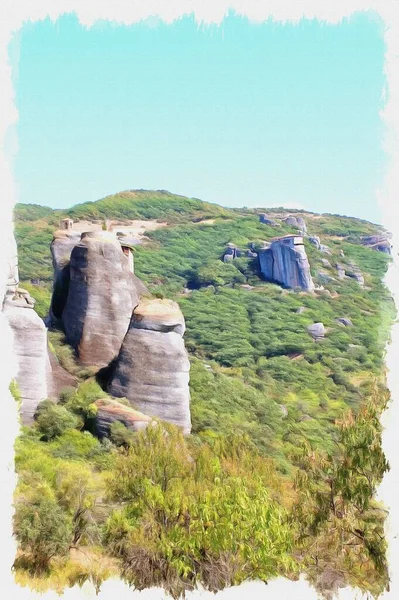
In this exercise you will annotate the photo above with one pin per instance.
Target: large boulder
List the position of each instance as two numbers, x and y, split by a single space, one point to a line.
317 331
110 411
102 294
152 369
286 262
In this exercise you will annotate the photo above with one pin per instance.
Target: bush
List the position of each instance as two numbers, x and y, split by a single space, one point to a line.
42 529
53 420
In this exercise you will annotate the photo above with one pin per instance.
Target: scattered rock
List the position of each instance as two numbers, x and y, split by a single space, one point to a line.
317 330
315 240
326 263
340 271
300 310
284 410
344 321
263 218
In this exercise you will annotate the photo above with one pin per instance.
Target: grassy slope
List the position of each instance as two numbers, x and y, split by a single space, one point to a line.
255 369
260 352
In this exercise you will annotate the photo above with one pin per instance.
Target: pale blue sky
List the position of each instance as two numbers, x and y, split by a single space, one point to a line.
241 114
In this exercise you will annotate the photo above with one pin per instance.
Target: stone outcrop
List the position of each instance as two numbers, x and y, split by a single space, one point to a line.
33 369
315 240
317 331
152 369
340 271
285 262
233 252
378 242
345 321
297 222
266 220
102 294
61 247
110 411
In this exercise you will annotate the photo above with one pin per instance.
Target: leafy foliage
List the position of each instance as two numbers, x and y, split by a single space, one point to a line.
234 500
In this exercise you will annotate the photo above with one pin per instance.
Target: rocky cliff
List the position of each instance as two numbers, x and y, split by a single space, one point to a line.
98 297
29 341
285 262
152 369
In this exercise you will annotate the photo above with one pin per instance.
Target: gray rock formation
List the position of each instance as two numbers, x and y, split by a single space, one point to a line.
325 249
61 247
30 351
286 262
340 271
109 411
315 240
378 242
355 273
326 263
345 321
298 222
317 331
33 369
152 369
324 277
264 218
230 253
102 294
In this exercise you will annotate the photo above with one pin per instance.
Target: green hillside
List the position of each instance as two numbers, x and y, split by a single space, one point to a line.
257 377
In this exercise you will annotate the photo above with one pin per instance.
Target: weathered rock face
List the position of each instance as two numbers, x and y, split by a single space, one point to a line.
30 350
152 369
101 297
286 262
378 242
109 411
62 245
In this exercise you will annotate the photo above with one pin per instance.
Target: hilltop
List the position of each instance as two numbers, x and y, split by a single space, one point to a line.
257 371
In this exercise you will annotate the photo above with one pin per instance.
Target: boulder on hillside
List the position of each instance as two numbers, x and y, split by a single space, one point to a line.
317 330
110 411
101 297
152 369
345 321
266 220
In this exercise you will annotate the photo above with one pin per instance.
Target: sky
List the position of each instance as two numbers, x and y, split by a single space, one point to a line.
241 114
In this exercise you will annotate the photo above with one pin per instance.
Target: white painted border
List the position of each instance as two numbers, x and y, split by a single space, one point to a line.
12 14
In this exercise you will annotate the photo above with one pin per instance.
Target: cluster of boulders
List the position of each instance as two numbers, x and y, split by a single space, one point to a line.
232 252
111 321
290 220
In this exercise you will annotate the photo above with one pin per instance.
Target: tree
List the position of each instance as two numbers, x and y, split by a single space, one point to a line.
42 529
53 420
340 526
